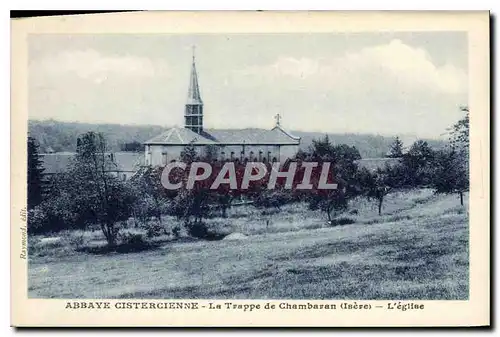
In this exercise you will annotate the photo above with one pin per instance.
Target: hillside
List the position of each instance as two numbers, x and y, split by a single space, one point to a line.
62 136
416 250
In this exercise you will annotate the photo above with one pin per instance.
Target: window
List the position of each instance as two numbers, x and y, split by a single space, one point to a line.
223 155
260 156
164 158
251 156
232 155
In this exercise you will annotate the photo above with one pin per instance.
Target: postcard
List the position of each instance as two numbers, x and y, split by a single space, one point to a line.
251 169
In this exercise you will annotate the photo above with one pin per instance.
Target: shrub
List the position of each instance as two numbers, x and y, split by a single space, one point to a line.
77 240
197 229
132 242
200 230
154 228
342 221
176 231
272 198
37 218
33 242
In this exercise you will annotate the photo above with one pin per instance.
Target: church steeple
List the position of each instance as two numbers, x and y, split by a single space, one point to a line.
193 113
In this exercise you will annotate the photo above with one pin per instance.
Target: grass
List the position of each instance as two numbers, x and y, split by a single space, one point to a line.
418 249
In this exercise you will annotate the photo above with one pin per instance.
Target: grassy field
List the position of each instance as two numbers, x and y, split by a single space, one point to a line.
418 249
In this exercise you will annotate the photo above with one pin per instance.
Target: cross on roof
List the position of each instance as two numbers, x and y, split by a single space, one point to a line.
277 117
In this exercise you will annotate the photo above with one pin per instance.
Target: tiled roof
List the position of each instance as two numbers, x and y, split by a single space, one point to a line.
181 136
122 161
178 136
56 162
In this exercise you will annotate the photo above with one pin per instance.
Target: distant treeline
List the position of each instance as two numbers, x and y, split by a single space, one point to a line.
62 136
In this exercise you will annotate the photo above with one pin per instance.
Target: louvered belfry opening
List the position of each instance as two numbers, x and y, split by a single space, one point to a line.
193 114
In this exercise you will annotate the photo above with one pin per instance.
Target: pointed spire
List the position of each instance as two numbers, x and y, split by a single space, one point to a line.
194 97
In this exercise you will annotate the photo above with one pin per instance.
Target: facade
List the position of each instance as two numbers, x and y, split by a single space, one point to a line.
275 145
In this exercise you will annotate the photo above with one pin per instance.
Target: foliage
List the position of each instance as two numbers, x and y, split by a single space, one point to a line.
77 240
450 173
154 229
62 136
152 199
87 194
132 242
396 149
37 219
417 164
272 198
210 153
342 172
378 184
134 146
35 171
459 133
342 221
104 199
188 153
451 165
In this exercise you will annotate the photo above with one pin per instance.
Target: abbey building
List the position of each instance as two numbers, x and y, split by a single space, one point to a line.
271 145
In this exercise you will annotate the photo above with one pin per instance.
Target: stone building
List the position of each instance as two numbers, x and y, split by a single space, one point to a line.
242 144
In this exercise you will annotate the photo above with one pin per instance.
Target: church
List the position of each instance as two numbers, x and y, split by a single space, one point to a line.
274 145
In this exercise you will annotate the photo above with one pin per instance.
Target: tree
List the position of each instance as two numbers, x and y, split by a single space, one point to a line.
451 173
396 149
343 170
35 174
134 146
188 153
377 185
330 201
459 133
98 195
417 163
152 196
451 167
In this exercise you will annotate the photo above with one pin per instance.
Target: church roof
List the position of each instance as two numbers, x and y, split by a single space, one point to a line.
194 96
180 136
252 136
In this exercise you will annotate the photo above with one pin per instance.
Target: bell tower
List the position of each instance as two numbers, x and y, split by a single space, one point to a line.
193 113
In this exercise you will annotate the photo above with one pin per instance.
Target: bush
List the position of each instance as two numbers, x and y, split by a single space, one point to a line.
197 229
342 221
77 240
176 231
154 228
200 230
132 242
273 198
37 219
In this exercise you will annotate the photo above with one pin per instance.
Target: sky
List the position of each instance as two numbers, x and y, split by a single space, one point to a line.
381 83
